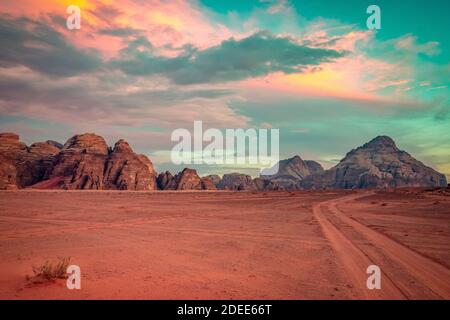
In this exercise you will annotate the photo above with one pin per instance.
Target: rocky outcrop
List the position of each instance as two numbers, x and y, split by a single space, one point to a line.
8 175
314 167
266 185
215 179
21 166
81 162
291 171
35 163
165 181
86 162
208 183
126 170
237 182
55 144
376 164
188 179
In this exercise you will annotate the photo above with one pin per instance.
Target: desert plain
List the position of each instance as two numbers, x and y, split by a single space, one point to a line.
228 245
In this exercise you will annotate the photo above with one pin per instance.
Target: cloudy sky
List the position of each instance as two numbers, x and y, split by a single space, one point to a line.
140 69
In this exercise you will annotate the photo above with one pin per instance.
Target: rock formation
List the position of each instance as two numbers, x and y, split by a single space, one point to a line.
126 170
208 183
81 162
215 179
188 179
21 166
266 185
86 162
166 181
291 171
314 167
376 164
237 182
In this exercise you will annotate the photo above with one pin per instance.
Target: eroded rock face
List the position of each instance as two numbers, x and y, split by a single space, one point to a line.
22 166
208 183
291 171
126 170
35 163
56 144
314 167
166 181
81 162
10 148
188 179
215 179
266 185
237 182
86 162
376 164
8 175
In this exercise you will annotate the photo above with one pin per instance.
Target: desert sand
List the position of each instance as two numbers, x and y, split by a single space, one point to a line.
227 245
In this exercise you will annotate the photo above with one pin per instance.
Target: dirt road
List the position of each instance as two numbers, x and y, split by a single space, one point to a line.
405 272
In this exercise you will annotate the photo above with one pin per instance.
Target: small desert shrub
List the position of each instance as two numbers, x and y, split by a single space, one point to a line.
52 271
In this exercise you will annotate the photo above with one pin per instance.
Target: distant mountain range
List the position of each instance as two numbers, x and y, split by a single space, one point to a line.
86 162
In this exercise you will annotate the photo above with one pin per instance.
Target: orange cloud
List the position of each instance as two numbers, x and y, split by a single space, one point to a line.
174 23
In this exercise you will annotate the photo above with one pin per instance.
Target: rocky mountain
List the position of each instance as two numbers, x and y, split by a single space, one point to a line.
86 162
376 164
81 163
237 182
188 179
208 183
314 167
215 179
266 185
165 181
291 171
21 166
126 170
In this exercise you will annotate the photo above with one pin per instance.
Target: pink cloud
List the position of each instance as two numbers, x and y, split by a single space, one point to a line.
165 23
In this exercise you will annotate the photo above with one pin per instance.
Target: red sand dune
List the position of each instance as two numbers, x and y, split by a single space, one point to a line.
225 245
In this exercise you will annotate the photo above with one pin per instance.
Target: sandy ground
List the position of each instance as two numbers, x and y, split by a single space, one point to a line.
225 245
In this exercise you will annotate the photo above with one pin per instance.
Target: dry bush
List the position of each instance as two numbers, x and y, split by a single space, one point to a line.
52 271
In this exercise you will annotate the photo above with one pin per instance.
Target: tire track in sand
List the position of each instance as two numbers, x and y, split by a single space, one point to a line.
355 259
